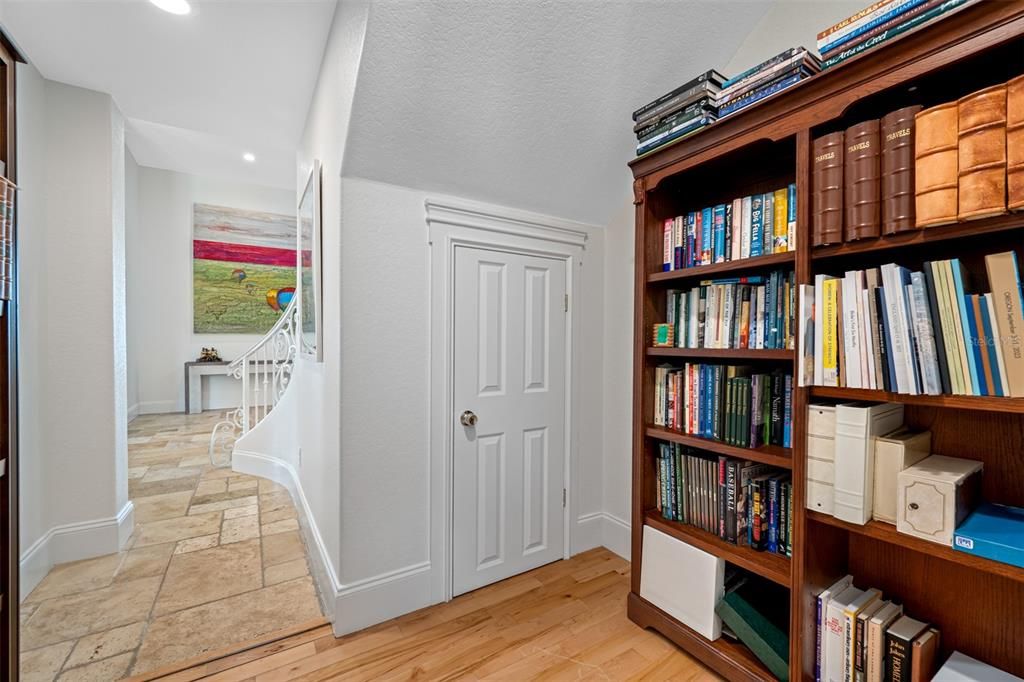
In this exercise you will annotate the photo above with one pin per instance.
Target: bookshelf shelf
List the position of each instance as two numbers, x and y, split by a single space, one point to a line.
723 656
721 353
774 567
759 150
744 265
767 454
926 236
959 402
887 533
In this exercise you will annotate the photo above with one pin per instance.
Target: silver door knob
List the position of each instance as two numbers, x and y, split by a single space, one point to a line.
468 418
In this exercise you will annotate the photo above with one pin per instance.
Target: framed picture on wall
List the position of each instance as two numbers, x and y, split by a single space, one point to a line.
310 291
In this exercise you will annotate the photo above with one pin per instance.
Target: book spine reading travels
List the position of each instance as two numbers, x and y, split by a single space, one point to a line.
827 189
897 141
861 172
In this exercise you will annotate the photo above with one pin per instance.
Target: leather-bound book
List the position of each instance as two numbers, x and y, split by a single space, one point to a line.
1015 144
827 194
896 135
935 167
863 196
982 152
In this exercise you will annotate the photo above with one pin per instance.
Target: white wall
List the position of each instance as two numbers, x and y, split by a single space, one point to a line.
72 348
160 284
133 265
318 385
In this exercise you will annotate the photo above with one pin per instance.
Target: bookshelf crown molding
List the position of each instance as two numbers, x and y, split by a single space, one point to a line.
481 216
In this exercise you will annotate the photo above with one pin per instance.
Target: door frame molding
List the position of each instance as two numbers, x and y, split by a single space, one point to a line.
454 223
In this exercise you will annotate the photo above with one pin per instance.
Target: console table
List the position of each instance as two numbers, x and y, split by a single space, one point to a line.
194 373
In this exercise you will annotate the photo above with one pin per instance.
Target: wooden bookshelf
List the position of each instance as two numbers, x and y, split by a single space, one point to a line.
887 533
774 567
766 454
744 266
735 354
959 402
758 150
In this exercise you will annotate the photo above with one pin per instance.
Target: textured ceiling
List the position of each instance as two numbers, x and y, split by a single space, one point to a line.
526 103
197 90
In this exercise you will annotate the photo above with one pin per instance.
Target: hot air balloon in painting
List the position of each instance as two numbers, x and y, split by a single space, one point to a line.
238 274
278 299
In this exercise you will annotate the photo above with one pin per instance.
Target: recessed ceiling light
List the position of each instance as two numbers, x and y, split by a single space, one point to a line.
249 156
173 6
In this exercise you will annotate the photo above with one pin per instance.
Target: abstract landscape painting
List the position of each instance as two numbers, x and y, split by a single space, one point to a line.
243 269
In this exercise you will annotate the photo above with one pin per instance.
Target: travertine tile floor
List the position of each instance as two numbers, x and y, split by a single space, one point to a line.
216 559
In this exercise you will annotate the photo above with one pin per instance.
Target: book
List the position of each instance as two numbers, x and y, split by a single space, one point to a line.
851 21
834 641
850 615
711 77
860 652
1004 278
938 328
894 452
991 338
960 290
1015 143
941 11
993 531
854 42
752 611
896 137
862 194
924 334
677 131
962 668
936 165
830 332
878 624
925 652
821 607
827 196
781 63
704 102
981 151
842 37
761 93
857 426
899 639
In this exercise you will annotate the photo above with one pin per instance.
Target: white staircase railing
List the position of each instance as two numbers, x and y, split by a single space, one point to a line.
264 370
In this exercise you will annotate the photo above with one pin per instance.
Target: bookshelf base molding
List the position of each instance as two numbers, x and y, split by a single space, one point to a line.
731 661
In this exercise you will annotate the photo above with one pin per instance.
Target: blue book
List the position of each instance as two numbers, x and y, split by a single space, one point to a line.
915 364
709 413
756 224
898 8
691 227
773 515
890 361
676 134
761 94
959 290
769 312
993 531
707 228
787 413
973 339
719 218
990 343
767 223
791 209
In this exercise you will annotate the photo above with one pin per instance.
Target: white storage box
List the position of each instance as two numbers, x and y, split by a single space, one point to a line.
935 495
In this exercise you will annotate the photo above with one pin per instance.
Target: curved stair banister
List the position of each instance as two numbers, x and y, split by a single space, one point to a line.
264 370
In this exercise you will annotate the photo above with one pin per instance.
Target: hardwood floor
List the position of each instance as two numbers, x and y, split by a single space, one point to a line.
564 621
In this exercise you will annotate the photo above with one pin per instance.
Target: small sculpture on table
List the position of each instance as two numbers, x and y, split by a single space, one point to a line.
209 355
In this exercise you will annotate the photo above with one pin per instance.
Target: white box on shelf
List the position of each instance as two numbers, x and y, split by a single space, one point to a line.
682 581
894 453
935 495
857 425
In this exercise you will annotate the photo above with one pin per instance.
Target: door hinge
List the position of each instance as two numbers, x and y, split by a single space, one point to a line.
567 303
563 497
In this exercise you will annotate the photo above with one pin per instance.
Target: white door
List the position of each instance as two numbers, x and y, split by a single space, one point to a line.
509 467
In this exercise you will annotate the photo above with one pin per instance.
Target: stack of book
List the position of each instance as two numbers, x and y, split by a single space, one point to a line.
726 403
679 113
881 22
861 636
746 227
739 312
916 332
741 502
767 78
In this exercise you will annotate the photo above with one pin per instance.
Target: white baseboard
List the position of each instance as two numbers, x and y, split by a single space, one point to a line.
133 412
282 473
382 597
158 407
601 529
357 605
72 542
